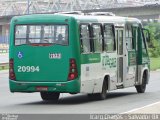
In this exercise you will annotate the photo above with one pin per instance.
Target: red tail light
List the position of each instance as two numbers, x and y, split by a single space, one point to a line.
72 69
11 70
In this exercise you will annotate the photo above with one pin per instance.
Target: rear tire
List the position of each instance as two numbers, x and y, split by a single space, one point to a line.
100 96
49 96
103 94
142 88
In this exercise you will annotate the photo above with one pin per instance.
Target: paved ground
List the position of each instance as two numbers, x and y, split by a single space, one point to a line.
151 109
119 101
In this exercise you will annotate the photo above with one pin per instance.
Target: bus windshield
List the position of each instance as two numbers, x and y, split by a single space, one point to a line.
41 34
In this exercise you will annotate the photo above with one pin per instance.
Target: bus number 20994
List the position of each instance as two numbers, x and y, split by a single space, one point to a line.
28 69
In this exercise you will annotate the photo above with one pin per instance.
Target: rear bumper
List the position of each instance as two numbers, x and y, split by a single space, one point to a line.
61 87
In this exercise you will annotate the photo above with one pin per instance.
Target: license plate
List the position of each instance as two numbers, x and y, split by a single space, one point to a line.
41 88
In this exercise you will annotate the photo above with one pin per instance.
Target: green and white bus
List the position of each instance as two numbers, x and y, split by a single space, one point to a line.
76 53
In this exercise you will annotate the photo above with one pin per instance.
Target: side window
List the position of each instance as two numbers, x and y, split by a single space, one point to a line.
109 40
143 40
129 37
143 46
97 37
20 34
135 37
120 43
85 38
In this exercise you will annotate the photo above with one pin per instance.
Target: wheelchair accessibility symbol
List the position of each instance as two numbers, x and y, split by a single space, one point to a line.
20 55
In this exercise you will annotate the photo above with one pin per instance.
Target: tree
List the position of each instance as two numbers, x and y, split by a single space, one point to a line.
154 45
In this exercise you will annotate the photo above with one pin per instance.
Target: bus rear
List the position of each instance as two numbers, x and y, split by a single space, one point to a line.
42 58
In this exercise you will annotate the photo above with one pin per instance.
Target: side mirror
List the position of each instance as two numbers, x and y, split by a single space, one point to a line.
146 34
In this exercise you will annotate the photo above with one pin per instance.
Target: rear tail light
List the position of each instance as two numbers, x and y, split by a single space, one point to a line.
72 69
11 70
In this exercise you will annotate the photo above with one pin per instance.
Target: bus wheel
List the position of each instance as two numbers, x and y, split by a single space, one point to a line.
49 96
103 94
142 88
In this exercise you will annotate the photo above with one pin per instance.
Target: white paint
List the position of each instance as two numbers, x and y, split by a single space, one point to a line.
55 55
136 109
92 75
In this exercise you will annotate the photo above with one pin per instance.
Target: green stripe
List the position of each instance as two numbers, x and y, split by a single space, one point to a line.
90 58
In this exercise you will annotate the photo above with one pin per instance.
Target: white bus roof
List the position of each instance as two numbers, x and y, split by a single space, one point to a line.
102 18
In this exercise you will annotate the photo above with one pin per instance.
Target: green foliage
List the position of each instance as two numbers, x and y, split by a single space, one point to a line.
154 45
155 64
4 68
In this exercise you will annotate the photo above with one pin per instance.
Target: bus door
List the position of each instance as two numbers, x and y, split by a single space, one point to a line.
120 55
135 40
131 41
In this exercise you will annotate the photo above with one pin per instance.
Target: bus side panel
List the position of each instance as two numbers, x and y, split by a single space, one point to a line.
75 46
94 68
11 36
90 71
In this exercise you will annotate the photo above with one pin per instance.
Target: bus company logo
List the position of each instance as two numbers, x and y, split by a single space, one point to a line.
54 55
20 55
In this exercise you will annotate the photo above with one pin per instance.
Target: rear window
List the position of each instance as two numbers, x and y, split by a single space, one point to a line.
37 34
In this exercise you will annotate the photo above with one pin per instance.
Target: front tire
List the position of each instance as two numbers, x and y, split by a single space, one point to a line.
142 88
49 96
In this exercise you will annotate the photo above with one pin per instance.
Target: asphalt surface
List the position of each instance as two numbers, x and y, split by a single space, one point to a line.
4 58
118 101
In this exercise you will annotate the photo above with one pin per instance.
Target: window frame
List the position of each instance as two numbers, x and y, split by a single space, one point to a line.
92 35
45 24
89 28
128 37
143 38
135 46
114 37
